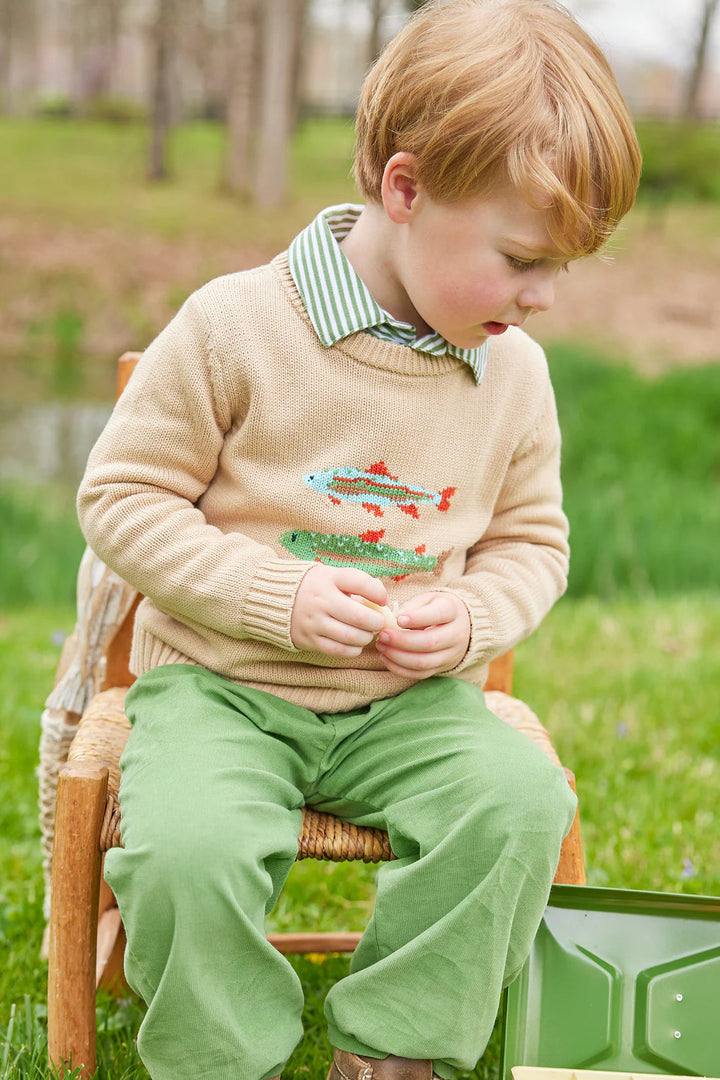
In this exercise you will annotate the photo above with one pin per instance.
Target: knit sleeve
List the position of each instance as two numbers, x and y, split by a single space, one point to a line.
152 463
518 569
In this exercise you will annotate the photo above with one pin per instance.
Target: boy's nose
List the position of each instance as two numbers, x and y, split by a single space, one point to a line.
538 295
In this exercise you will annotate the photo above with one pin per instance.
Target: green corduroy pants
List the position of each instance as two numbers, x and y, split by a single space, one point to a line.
214 777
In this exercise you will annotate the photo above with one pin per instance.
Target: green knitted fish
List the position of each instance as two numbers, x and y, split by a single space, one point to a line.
365 552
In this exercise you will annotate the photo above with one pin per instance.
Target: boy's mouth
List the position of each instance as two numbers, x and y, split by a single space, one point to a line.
495 327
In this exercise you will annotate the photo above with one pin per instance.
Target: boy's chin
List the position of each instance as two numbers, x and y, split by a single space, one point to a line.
475 338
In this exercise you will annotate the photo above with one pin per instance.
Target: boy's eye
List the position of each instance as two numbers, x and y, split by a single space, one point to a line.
518 264
530 264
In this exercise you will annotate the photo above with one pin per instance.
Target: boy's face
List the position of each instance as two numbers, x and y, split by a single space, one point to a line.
470 269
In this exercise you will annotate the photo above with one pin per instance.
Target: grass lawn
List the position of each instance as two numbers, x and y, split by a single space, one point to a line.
629 690
102 181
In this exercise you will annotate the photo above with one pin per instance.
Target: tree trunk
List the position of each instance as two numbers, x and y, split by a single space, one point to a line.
109 24
375 40
298 31
19 27
80 17
241 100
7 41
691 105
279 44
160 118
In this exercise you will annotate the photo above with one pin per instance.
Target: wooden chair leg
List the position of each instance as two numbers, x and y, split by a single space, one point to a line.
81 798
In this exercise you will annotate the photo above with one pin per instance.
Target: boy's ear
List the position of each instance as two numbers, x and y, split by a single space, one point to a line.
400 187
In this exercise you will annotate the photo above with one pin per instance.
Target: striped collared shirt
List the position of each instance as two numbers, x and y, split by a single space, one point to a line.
339 303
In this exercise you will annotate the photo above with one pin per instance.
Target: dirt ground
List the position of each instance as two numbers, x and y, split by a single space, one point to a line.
654 303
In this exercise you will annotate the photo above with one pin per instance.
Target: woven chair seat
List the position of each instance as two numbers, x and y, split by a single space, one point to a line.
104 729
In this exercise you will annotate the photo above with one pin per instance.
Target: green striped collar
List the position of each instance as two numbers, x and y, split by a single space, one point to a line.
339 303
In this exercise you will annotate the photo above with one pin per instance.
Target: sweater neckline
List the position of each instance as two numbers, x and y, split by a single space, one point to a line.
364 347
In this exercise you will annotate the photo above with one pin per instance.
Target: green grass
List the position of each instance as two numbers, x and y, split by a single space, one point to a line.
102 181
641 473
629 689
681 160
40 545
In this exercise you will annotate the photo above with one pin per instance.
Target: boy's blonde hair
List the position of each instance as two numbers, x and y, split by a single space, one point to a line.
484 91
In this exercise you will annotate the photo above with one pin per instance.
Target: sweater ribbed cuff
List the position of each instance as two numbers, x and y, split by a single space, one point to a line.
479 629
267 610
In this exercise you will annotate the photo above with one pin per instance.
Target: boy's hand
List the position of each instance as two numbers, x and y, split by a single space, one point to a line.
326 619
433 637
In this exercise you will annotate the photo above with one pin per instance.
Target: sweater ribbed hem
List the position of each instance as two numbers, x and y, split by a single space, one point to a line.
149 652
267 611
480 629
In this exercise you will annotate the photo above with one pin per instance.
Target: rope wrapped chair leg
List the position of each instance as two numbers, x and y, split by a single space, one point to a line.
103 603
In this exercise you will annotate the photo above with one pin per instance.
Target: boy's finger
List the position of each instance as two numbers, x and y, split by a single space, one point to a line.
431 611
410 669
348 633
357 581
351 610
412 641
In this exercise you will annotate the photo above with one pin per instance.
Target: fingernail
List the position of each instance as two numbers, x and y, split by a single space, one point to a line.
383 638
403 620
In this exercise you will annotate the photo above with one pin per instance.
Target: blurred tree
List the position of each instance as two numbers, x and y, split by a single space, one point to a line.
300 21
280 39
377 10
206 56
7 41
19 20
162 50
93 29
262 95
241 110
691 105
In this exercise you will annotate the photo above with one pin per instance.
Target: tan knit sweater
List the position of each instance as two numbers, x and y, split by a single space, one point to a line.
243 450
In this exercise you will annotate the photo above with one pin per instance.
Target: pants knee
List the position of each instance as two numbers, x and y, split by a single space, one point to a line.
183 862
530 805
538 798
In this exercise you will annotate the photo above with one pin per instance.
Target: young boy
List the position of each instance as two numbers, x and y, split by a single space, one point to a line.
362 419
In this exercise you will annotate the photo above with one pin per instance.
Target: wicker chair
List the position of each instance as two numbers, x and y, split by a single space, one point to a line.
84 732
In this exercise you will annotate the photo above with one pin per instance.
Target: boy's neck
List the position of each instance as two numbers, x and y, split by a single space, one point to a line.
368 247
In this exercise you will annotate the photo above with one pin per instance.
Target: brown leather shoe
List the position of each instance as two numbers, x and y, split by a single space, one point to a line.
347 1066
